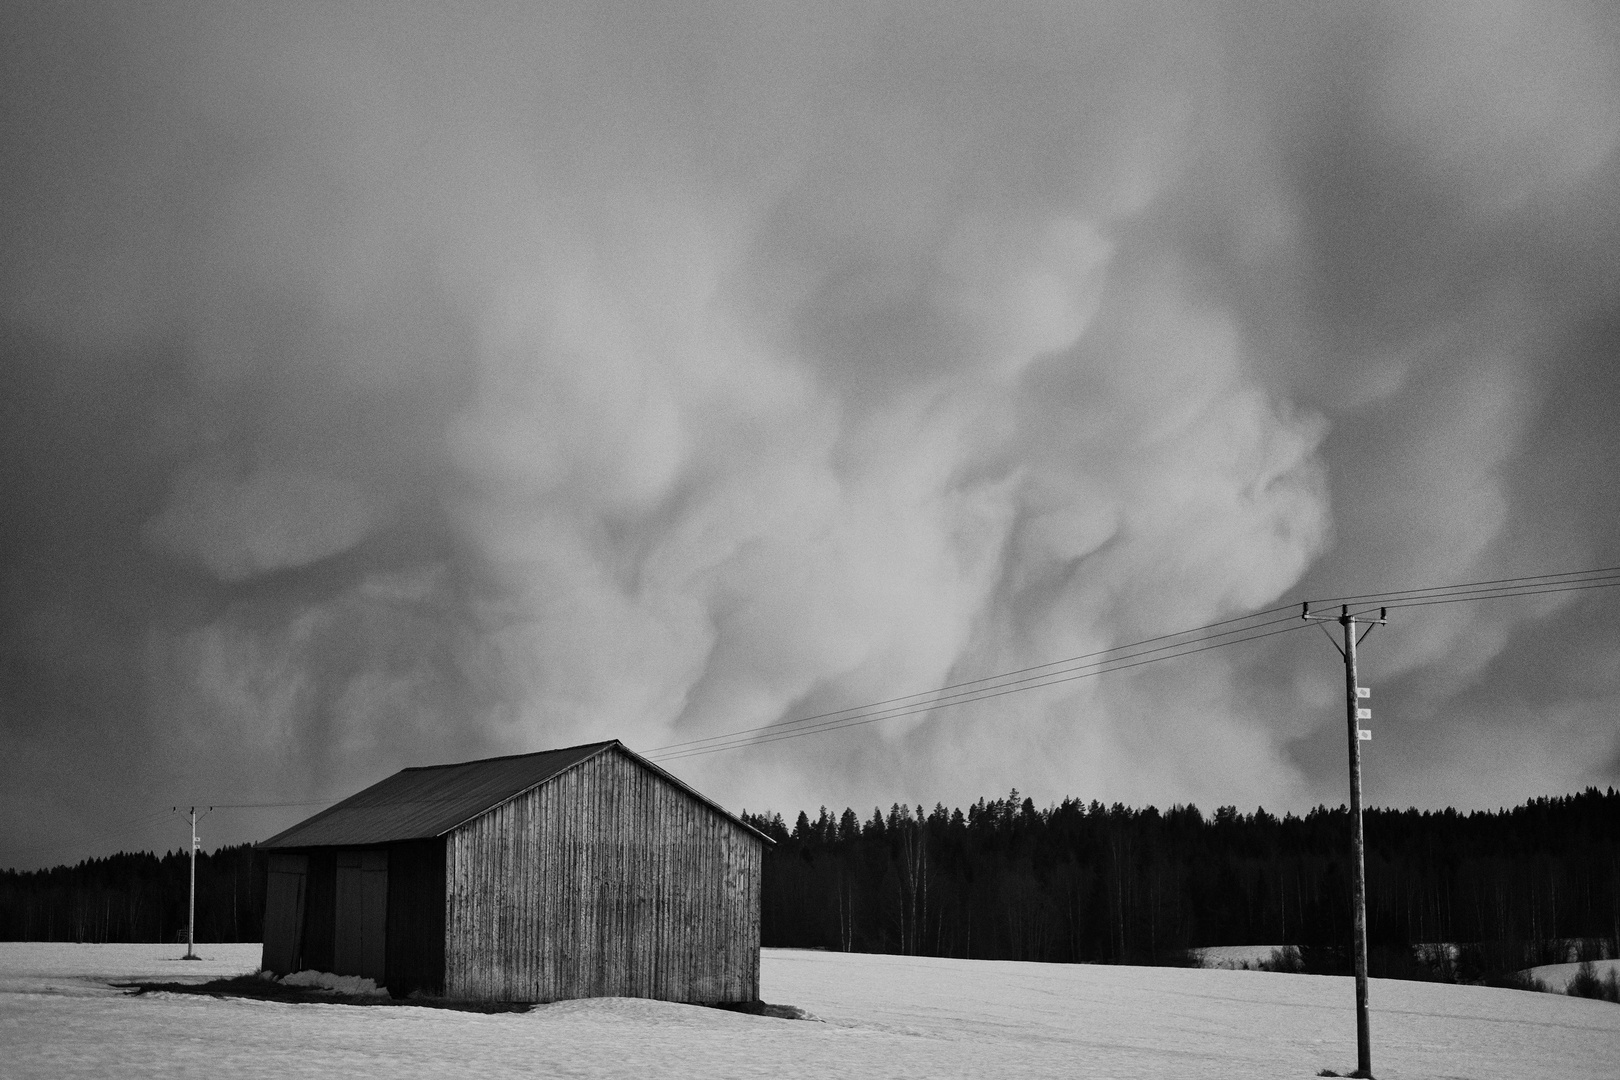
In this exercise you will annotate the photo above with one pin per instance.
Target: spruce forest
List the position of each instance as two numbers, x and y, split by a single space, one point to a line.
1092 883
1070 883
136 897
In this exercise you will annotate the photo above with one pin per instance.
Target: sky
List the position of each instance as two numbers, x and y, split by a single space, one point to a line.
389 384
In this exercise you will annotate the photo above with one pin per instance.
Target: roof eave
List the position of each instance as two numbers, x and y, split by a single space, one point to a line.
694 792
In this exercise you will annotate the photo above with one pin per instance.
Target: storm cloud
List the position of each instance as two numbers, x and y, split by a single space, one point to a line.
387 385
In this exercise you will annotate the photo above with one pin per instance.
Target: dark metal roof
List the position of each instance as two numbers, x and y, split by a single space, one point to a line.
428 801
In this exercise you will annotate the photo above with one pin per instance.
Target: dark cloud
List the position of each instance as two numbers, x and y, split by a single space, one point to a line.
385 385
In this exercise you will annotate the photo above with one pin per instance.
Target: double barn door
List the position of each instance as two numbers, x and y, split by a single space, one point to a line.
328 910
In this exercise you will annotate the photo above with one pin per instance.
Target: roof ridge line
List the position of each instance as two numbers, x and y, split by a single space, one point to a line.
518 794
507 757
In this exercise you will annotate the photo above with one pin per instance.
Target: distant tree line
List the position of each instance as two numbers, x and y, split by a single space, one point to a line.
136 897
1073 882
1079 882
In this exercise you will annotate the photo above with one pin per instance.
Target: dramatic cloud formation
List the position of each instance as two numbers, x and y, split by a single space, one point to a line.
389 385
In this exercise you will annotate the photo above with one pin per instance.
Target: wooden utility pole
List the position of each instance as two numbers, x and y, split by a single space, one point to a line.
191 906
1354 714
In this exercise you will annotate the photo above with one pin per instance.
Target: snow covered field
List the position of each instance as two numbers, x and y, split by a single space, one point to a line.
885 1016
1557 976
1235 957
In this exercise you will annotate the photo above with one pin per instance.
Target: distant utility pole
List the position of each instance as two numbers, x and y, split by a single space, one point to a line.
191 907
1354 712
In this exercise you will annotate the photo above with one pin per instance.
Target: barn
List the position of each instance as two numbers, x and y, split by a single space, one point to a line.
581 872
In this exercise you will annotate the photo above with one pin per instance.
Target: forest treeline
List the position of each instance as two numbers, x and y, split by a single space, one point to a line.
1072 882
137 897
1078 882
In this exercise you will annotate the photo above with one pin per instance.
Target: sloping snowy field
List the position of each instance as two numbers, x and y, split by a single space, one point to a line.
1557 976
884 1016
1236 957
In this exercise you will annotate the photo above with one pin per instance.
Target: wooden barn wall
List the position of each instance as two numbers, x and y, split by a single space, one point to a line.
606 880
416 917
320 909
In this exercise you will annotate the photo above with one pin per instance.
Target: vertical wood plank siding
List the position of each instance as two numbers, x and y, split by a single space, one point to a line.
605 881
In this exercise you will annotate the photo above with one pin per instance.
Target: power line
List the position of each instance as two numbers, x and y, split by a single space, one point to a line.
1513 582
861 719
265 805
954 694
987 687
925 695
144 823
147 822
1501 595
1114 659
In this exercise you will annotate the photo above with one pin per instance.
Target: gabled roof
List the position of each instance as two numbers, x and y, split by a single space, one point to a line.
428 801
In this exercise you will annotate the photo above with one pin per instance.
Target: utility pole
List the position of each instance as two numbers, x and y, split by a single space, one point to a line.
1354 713
191 907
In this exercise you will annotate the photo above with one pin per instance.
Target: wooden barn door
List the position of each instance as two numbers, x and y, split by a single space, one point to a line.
284 913
360 942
